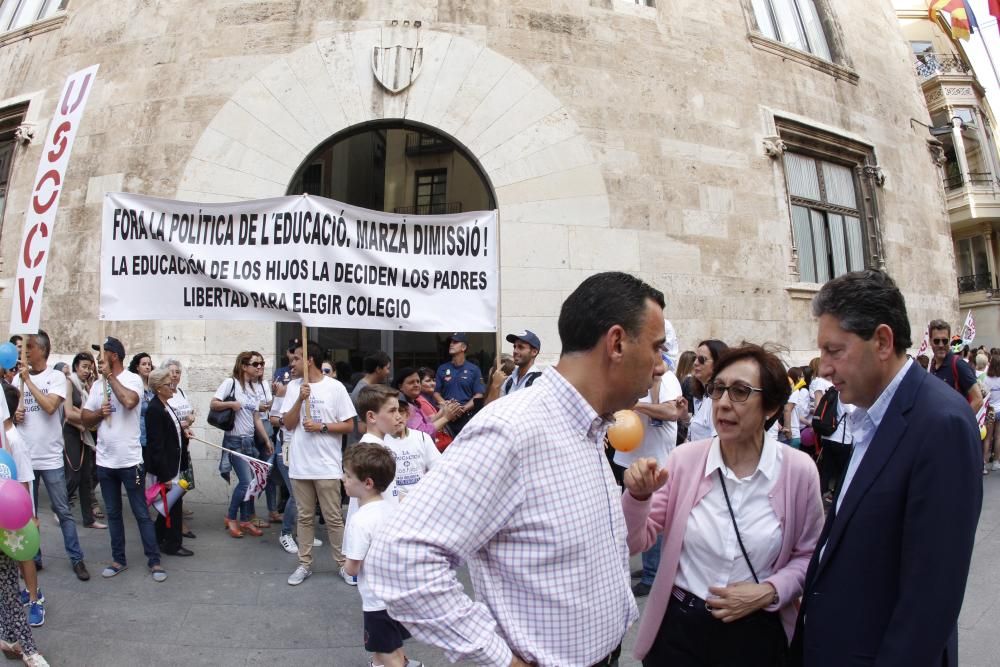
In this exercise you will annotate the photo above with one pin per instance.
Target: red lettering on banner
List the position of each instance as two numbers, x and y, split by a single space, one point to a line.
79 96
52 175
44 231
60 141
27 306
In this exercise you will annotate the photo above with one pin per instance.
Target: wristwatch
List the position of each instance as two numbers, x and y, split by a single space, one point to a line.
325 429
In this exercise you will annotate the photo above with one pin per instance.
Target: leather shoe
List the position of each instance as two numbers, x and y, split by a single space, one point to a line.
81 571
188 534
181 551
641 590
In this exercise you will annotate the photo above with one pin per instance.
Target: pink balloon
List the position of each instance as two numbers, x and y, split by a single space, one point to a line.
15 505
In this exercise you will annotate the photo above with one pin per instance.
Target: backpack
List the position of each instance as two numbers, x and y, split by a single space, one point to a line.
824 421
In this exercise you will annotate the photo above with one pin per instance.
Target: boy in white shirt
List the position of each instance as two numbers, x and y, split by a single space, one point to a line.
414 450
369 468
378 410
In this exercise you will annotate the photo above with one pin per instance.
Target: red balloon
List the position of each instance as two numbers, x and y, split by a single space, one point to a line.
15 505
626 433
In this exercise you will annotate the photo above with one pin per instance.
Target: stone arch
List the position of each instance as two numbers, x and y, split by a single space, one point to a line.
547 182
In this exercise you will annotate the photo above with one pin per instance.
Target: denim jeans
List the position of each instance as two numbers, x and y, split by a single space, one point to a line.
55 485
134 480
244 445
291 511
651 561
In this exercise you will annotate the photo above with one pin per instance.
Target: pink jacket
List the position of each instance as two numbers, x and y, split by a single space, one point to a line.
796 501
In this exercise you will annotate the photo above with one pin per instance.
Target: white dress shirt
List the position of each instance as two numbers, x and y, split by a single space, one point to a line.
702 426
711 555
525 496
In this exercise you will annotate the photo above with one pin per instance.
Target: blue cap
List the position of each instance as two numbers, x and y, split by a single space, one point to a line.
459 338
527 336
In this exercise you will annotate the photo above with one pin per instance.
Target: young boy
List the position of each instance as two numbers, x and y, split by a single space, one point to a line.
414 450
16 639
369 469
378 407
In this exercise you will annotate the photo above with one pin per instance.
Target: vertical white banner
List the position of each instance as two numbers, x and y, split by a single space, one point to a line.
40 219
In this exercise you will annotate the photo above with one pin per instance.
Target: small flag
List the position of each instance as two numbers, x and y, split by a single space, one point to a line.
962 20
925 343
969 329
261 470
995 11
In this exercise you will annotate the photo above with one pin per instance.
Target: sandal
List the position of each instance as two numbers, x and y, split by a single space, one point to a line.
261 523
11 651
274 516
249 528
98 514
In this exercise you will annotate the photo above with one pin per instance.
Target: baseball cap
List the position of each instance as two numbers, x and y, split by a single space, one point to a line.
459 338
528 337
113 345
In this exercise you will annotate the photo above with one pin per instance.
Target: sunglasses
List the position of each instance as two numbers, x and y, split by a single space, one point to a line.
702 359
738 393
257 364
939 341
327 371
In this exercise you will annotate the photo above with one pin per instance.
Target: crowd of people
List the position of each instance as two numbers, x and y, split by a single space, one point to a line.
753 497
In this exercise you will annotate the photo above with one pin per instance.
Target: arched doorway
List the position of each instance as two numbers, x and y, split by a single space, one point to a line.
395 166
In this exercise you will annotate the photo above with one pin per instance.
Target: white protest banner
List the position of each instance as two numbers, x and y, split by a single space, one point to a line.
297 259
40 219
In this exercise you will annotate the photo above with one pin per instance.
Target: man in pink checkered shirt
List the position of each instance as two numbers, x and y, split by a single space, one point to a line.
525 497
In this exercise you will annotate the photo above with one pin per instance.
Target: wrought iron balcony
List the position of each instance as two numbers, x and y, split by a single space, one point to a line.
430 209
426 144
975 283
976 178
933 64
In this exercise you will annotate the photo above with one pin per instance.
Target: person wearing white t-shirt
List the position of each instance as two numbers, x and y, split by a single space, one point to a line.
658 411
414 450
113 406
369 468
318 411
39 421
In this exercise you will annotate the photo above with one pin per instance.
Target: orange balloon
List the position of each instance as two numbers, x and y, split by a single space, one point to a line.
626 433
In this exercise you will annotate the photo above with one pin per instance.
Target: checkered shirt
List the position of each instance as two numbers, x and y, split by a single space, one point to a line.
525 496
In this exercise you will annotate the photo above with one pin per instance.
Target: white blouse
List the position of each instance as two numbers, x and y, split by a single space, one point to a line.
702 426
710 555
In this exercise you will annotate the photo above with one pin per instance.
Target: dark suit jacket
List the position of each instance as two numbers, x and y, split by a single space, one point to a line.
888 588
163 454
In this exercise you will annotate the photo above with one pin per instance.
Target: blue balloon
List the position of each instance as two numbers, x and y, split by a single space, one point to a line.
7 468
8 355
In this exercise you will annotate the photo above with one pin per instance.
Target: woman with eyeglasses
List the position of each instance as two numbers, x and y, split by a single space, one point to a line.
264 443
167 457
740 516
238 394
706 355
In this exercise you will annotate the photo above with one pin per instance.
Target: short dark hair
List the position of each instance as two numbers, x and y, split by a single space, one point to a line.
773 375
13 397
600 302
80 358
376 360
402 374
425 372
937 325
863 300
372 397
313 352
133 366
15 339
369 460
795 373
715 349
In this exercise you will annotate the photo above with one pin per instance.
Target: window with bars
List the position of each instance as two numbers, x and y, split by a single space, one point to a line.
431 191
826 217
19 13
793 22
10 118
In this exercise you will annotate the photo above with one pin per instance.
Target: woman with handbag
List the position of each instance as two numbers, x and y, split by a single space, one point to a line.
265 398
236 410
740 516
166 457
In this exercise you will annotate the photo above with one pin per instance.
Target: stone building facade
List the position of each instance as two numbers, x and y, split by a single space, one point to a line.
734 154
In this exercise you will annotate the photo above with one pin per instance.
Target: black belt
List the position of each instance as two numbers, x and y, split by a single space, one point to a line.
611 659
688 599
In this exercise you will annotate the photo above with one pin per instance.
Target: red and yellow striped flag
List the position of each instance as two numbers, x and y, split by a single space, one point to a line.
958 12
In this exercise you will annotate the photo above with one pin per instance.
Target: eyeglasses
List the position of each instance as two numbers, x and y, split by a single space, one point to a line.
257 364
939 341
702 359
738 393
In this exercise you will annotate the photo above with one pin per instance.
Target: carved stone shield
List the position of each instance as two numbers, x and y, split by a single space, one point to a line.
396 67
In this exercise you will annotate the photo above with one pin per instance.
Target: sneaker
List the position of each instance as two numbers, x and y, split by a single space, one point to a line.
159 575
287 543
317 542
300 575
80 570
996 465
26 599
351 580
641 590
36 614
35 660
113 569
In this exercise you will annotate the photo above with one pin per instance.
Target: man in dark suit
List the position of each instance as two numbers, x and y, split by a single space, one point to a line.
886 582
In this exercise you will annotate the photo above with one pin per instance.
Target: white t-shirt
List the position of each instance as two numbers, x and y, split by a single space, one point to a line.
181 405
702 426
243 425
358 536
820 385
317 455
41 431
993 384
659 437
118 437
18 450
415 455
800 399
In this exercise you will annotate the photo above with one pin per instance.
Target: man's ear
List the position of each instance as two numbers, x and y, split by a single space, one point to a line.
884 341
370 417
614 342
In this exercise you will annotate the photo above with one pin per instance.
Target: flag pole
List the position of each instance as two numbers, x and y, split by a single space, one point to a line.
305 365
